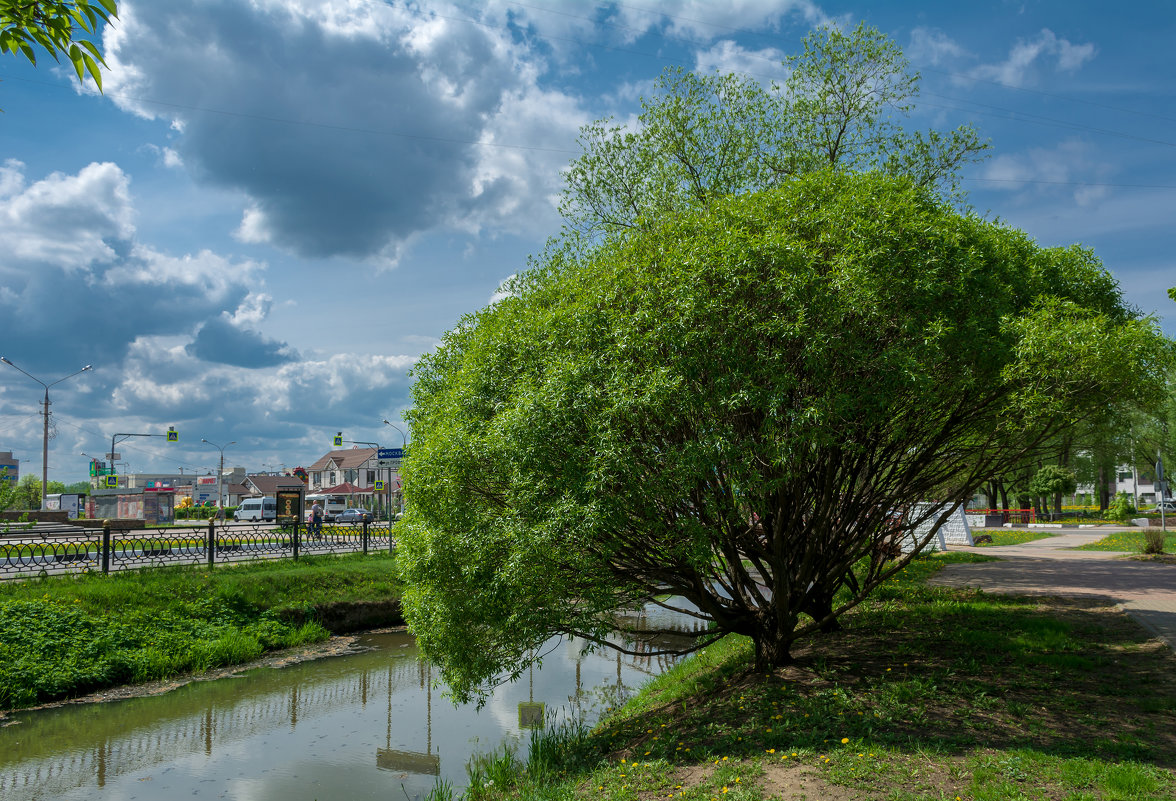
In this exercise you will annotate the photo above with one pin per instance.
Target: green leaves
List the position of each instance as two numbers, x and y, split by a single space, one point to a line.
60 27
700 138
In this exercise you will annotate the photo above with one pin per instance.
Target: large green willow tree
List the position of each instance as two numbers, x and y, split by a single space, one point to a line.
737 404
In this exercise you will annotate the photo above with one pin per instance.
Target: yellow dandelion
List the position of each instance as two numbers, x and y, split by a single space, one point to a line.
771 750
844 740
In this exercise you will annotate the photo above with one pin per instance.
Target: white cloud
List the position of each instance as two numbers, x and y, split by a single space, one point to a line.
358 126
726 56
1026 56
1050 171
934 47
71 221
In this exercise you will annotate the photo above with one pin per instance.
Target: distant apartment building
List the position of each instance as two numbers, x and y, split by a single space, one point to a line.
7 460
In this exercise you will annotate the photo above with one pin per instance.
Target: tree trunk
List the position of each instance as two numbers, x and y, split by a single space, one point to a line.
771 651
819 608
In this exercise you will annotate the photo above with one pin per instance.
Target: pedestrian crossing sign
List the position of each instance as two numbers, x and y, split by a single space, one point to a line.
172 434
112 482
379 486
339 440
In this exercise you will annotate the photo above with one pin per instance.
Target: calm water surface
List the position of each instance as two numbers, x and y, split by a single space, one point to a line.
366 725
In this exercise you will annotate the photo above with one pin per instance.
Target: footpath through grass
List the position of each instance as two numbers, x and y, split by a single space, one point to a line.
62 637
931 693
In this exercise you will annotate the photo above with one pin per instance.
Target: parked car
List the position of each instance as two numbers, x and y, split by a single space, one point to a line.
1169 507
354 516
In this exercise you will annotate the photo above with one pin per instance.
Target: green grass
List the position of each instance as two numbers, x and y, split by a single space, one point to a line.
1130 541
1013 536
930 693
65 636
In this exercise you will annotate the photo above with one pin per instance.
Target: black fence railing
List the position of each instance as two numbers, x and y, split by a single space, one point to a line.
30 551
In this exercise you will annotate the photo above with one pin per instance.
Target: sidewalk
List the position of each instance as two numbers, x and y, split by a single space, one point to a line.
1147 592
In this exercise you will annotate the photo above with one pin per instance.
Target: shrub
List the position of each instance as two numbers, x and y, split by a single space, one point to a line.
1121 509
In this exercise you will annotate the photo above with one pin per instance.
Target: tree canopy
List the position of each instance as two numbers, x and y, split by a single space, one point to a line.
737 404
60 27
701 138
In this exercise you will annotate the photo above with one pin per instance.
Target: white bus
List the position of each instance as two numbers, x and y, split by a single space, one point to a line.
332 505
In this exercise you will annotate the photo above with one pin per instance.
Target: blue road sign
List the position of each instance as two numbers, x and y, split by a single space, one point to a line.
390 453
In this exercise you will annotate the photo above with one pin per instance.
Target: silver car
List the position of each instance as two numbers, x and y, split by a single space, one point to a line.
354 516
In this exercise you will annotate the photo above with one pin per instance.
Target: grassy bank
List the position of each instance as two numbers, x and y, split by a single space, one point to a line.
931 693
1130 541
66 636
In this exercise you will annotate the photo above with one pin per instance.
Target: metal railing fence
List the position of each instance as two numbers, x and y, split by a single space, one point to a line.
27 552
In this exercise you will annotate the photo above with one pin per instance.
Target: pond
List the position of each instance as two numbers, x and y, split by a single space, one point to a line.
363 725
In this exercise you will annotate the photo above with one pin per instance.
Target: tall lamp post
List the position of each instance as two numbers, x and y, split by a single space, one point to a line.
45 440
220 477
403 448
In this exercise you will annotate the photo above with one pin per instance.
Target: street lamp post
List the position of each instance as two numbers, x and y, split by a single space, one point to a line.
220 477
403 448
45 439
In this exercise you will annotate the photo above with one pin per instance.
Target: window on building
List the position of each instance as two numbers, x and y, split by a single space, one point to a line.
1124 476
317 478
334 479
371 477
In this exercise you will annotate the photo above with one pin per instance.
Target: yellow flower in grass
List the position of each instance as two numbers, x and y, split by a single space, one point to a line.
844 740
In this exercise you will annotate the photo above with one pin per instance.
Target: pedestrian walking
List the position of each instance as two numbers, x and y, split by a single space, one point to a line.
316 521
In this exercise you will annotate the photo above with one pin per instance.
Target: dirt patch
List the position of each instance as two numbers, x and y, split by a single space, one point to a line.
1155 558
335 646
798 783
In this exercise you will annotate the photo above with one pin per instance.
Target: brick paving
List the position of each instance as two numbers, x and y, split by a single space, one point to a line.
1146 591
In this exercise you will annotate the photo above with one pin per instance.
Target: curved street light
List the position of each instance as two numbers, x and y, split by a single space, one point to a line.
220 476
403 447
45 440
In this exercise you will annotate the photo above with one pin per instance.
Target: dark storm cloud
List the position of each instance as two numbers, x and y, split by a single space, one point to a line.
220 341
349 130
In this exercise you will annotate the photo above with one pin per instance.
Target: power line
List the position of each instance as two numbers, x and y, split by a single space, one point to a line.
1069 183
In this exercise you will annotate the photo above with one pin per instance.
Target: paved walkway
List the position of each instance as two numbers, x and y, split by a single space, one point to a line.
1146 591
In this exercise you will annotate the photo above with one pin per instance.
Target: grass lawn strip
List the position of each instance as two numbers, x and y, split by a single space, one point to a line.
62 637
1014 536
931 693
1133 541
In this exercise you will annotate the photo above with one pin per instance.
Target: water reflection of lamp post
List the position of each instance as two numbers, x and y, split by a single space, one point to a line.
427 763
45 439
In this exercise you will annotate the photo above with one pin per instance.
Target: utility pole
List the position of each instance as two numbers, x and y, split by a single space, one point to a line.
45 438
220 477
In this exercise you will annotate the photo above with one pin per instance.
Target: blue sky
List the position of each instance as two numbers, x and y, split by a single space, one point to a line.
278 205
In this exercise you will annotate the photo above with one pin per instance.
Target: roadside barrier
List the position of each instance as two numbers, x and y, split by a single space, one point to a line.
28 551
